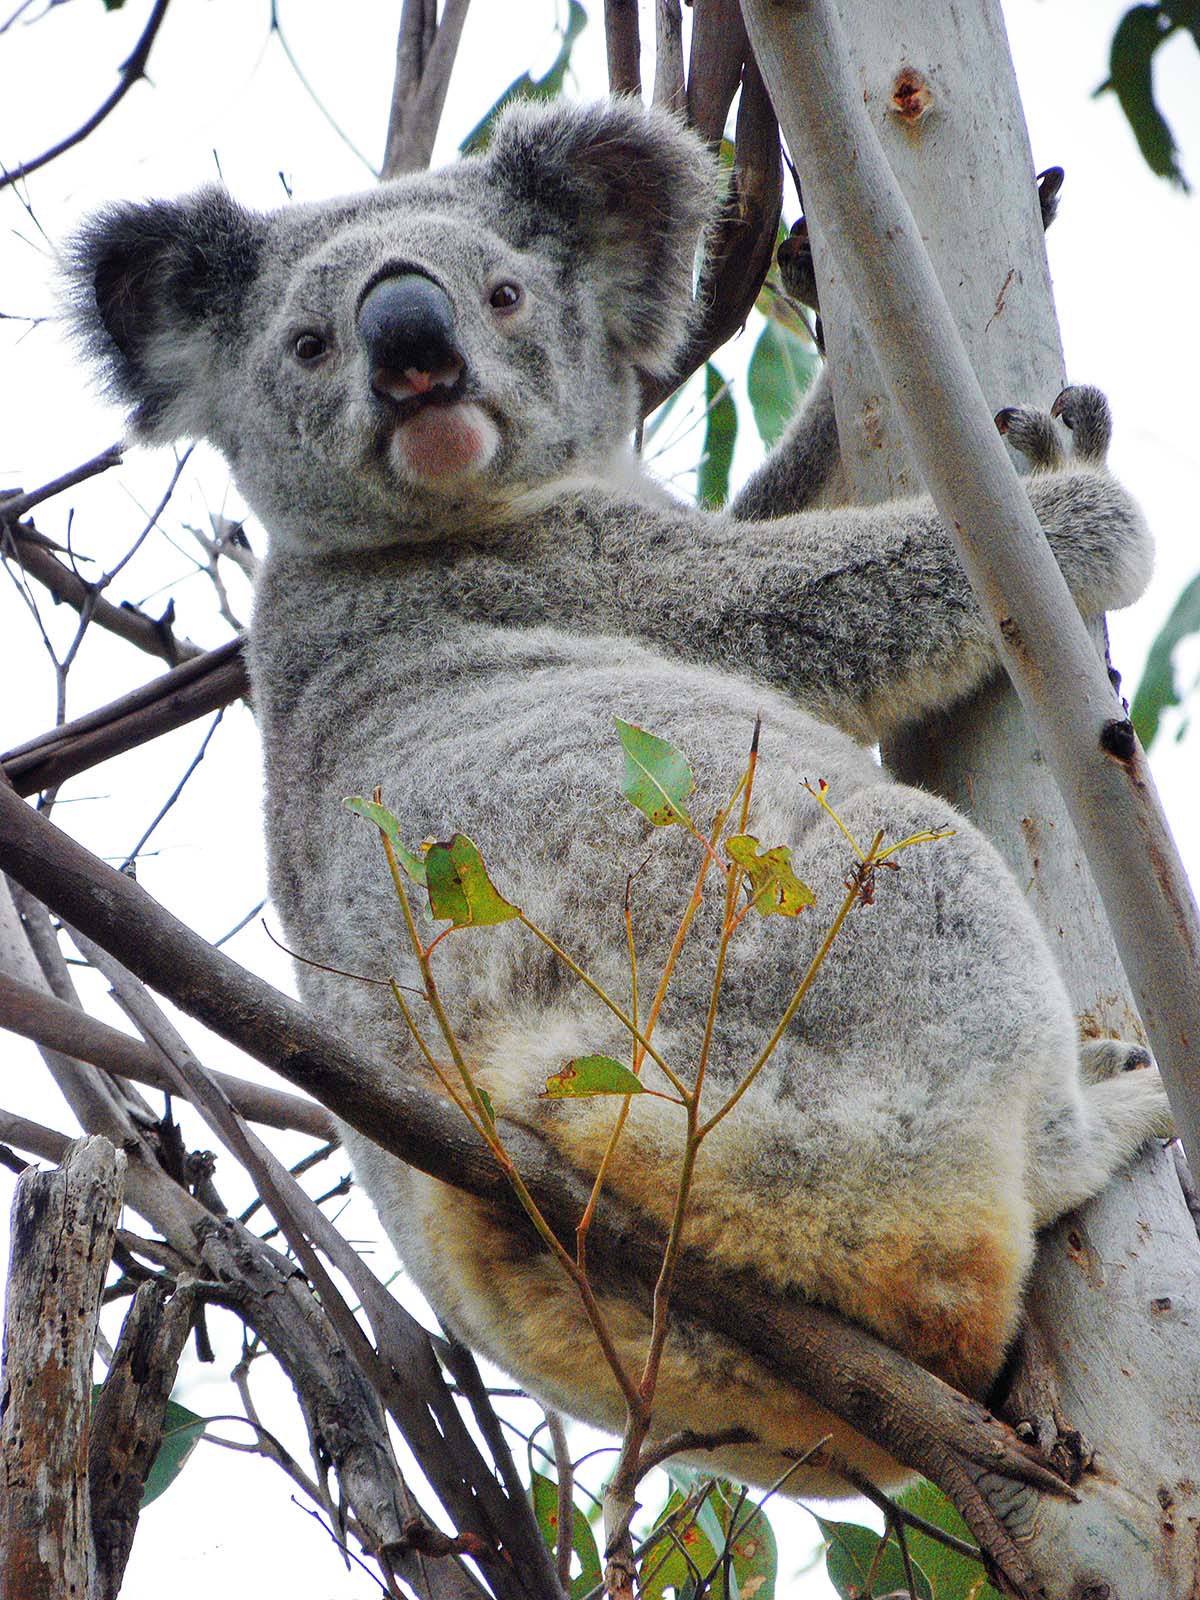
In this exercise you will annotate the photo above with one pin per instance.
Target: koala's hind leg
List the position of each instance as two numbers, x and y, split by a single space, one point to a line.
1078 1143
1083 409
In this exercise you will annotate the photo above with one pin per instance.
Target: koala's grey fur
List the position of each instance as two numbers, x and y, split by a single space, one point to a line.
459 598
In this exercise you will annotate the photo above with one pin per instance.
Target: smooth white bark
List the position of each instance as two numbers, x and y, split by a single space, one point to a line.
1109 1303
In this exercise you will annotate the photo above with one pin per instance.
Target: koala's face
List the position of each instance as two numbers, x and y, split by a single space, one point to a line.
386 368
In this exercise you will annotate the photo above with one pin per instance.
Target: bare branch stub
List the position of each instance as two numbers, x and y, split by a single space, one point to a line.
425 53
64 1225
127 1421
624 46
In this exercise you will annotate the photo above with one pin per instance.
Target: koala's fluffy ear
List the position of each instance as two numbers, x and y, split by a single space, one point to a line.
155 291
624 190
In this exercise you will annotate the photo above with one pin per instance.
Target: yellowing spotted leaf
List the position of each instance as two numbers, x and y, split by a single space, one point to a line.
775 888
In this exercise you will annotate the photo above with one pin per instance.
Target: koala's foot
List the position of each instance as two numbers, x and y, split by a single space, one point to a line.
1082 408
1078 1147
1104 1058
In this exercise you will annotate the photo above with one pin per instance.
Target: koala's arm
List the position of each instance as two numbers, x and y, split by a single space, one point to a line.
863 613
805 467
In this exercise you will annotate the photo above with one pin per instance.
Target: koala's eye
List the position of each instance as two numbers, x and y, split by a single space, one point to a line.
505 297
309 347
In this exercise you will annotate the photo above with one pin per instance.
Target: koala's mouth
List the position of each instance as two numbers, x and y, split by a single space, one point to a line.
412 391
438 438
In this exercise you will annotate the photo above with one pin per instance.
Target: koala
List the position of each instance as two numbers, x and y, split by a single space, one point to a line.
426 393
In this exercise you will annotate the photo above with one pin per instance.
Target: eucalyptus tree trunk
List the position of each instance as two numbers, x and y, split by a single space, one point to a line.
1110 1364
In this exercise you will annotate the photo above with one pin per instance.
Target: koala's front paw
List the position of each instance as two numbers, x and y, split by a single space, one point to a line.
795 260
1082 408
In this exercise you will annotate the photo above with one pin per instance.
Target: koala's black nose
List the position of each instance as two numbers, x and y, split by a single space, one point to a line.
406 324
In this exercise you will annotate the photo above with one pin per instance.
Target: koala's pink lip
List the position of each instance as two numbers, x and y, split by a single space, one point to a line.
411 391
442 444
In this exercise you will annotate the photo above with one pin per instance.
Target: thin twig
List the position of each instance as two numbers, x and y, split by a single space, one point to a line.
14 507
899 1514
292 62
175 792
132 69
565 1477
151 521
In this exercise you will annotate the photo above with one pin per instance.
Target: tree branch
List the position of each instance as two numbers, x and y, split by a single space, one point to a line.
46 1143
56 1025
624 47
17 505
35 556
669 91
425 54
205 683
741 246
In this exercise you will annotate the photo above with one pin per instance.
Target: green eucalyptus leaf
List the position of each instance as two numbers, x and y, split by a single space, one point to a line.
775 887
1157 690
1138 35
657 776
954 1576
781 369
671 1563
583 1541
720 432
182 1431
858 1569
755 1554
460 890
383 819
586 1076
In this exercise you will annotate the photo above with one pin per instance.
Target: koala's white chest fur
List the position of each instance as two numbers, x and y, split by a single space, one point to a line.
457 603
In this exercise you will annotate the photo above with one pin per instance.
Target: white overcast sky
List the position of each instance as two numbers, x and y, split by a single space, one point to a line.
222 98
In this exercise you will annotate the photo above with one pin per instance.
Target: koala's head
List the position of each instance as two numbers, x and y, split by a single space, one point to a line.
383 368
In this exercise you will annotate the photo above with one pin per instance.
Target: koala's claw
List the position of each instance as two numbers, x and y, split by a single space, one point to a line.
1084 409
1049 183
1031 430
